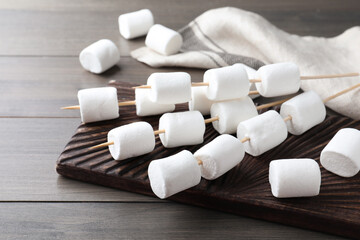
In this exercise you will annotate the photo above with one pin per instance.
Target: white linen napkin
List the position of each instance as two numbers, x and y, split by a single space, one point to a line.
224 36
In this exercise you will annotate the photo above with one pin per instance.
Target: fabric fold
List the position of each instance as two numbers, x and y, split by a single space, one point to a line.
224 36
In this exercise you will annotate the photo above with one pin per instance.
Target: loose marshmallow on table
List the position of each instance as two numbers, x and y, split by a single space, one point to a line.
174 174
163 40
170 88
306 110
265 131
251 75
227 83
342 154
278 79
294 178
98 104
182 128
231 113
145 107
99 56
219 156
131 140
199 101
135 24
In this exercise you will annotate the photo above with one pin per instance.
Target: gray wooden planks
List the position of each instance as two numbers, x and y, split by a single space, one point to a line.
28 150
134 221
64 28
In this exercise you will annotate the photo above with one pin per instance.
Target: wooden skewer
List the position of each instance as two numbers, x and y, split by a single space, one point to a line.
287 118
125 103
331 97
157 132
329 76
272 104
245 139
341 93
199 84
102 145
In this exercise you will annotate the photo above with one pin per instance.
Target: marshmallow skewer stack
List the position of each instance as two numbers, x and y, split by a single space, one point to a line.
297 115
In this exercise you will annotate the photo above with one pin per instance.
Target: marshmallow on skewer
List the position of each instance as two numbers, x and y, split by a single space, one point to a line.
306 110
227 82
265 132
294 178
135 24
99 56
219 156
342 154
98 104
251 75
182 128
231 113
199 101
278 79
174 174
145 107
170 88
131 140
163 40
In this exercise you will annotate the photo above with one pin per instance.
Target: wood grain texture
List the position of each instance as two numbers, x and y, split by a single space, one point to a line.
38 87
64 28
244 190
28 149
134 221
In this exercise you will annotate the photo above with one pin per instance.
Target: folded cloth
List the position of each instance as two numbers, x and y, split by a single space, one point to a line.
224 36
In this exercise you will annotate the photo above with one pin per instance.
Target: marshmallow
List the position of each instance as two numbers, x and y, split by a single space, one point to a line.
99 56
182 128
131 140
294 178
227 83
231 113
342 154
278 79
306 110
135 24
219 156
173 174
251 75
265 131
199 101
98 104
168 88
145 107
163 40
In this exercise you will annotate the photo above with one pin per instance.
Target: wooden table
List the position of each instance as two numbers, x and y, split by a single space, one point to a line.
39 45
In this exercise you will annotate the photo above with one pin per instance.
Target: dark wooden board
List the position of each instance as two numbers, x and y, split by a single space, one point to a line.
244 190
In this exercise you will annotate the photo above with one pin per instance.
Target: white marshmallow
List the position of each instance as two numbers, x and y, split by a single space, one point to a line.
265 131
219 156
169 88
231 113
278 79
342 154
306 110
99 56
199 101
174 174
135 24
182 128
145 107
163 40
131 140
294 178
251 75
98 104
227 83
